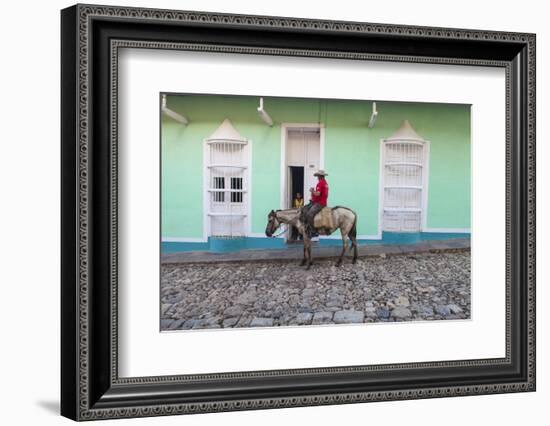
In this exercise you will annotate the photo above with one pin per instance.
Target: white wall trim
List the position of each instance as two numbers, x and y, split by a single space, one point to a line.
205 194
282 165
183 240
425 183
248 225
382 156
300 125
449 230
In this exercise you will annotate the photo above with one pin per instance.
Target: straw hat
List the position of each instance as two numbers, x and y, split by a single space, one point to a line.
320 172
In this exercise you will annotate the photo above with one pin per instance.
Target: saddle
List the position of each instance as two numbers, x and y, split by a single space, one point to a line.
323 220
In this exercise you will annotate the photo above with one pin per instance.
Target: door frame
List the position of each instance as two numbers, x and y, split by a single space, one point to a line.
284 166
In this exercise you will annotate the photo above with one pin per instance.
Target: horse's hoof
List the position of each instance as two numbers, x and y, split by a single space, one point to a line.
354 261
338 263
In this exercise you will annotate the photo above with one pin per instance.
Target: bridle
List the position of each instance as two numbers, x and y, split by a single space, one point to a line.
284 229
280 233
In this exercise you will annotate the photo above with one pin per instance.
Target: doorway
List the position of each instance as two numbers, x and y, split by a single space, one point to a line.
296 185
303 146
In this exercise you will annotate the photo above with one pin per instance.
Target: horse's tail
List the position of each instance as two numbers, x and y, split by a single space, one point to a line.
353 232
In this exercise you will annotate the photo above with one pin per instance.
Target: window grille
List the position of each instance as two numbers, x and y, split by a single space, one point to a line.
237 186
218 183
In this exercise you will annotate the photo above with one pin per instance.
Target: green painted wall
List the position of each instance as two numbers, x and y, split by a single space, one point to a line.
352 156
181 184
352 161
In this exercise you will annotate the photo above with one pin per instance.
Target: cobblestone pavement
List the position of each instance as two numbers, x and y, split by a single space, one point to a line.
428 286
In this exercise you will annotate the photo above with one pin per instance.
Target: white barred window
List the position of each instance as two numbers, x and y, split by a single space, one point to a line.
404 177
227 168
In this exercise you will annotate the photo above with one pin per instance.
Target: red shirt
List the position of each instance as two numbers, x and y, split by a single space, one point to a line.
322 189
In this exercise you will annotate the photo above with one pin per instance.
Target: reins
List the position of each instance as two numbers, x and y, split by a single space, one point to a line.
280 233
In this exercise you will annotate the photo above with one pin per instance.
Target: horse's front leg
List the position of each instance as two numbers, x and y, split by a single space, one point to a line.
307 252
302 233
309 259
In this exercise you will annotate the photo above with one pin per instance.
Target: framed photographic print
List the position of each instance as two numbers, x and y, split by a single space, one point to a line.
263 212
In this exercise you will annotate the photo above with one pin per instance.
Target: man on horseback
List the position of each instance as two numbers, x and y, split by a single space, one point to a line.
319 197
339 217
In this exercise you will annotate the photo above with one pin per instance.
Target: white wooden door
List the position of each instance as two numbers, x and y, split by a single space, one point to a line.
312 163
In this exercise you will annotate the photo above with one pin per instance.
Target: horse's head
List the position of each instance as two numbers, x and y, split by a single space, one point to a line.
272 223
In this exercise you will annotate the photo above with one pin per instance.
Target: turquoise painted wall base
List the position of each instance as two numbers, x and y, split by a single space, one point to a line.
227 245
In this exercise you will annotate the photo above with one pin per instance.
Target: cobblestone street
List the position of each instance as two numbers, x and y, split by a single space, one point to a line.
427 286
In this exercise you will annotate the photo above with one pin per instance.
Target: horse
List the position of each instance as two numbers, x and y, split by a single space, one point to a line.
343 218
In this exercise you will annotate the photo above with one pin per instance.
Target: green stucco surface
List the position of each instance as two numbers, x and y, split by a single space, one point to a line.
352 156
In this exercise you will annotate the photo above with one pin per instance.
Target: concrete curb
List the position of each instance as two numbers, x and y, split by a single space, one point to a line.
295 253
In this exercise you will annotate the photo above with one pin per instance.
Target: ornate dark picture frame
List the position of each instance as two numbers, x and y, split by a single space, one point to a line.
90 38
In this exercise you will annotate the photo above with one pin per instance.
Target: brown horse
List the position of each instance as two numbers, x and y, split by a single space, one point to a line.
342 218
